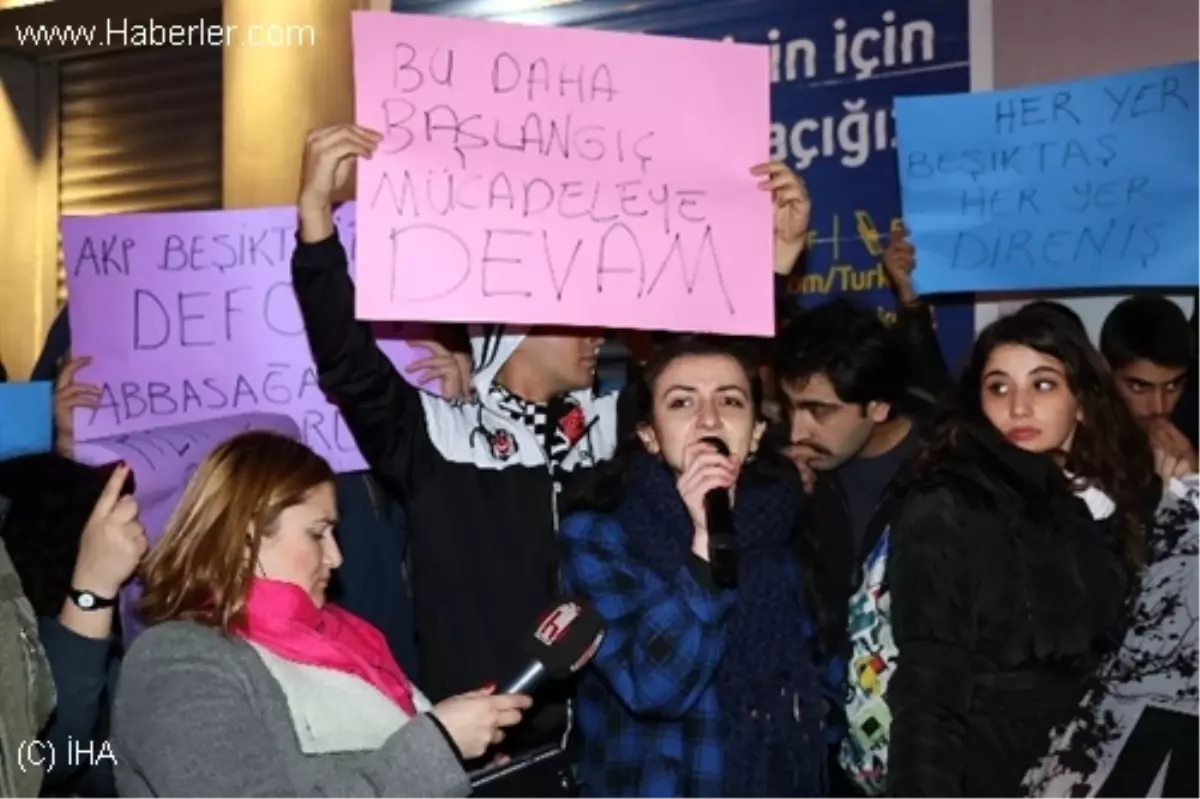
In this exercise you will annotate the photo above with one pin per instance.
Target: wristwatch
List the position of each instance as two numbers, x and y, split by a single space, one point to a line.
86 600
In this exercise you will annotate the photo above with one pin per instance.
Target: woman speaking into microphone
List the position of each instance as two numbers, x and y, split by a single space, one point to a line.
702 686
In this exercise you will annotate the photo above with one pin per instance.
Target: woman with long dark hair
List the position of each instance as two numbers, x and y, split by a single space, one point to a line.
701 688
1018 535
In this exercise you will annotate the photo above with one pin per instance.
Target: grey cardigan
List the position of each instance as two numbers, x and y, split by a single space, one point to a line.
198 713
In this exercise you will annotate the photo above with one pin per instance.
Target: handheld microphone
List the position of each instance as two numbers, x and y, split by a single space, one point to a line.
564 639
722 552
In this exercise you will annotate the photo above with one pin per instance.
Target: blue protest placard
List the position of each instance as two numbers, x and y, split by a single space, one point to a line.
1086 184
26 418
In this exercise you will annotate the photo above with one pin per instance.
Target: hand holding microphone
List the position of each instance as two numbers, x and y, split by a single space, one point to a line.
563 641
709 472
476 720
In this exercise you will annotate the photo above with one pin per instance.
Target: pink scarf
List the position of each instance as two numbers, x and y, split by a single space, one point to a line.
282 618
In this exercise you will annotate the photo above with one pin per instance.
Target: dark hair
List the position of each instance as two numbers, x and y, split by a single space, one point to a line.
1109 450
1052 306
603 488
847 344
51 499
1147 327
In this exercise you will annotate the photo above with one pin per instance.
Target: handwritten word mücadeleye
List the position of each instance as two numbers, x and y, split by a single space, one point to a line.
633 234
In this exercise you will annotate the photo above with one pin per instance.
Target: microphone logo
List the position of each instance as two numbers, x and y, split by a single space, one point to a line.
553 626
588 653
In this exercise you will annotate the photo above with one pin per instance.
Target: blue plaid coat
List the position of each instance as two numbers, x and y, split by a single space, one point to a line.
647 711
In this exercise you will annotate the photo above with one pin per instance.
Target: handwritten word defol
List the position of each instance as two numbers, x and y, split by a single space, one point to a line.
188 319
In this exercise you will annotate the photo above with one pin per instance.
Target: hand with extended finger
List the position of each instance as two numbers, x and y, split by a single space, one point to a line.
113 540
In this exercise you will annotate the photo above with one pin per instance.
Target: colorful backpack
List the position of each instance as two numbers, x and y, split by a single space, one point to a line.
864 750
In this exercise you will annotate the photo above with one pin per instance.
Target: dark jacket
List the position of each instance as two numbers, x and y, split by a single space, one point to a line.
827 545
479 493
85 677
372 582
1004 593
52 498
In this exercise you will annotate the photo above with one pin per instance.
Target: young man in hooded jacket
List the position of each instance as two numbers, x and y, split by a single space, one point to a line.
480 479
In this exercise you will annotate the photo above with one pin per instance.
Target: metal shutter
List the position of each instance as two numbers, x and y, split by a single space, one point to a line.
139 130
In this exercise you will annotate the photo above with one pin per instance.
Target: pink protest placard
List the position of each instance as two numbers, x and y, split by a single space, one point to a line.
191 317
562 176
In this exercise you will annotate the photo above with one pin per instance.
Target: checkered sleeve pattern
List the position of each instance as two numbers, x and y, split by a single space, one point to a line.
648 716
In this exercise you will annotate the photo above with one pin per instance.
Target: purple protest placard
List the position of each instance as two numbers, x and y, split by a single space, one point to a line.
191 317
162 462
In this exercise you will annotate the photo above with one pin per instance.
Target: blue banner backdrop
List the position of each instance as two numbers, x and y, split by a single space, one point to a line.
837 66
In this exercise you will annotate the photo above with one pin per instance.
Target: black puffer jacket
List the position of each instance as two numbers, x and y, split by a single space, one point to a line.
1004 592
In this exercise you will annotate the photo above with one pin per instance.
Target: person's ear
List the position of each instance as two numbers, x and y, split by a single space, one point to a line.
649 439
248 553
879 411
